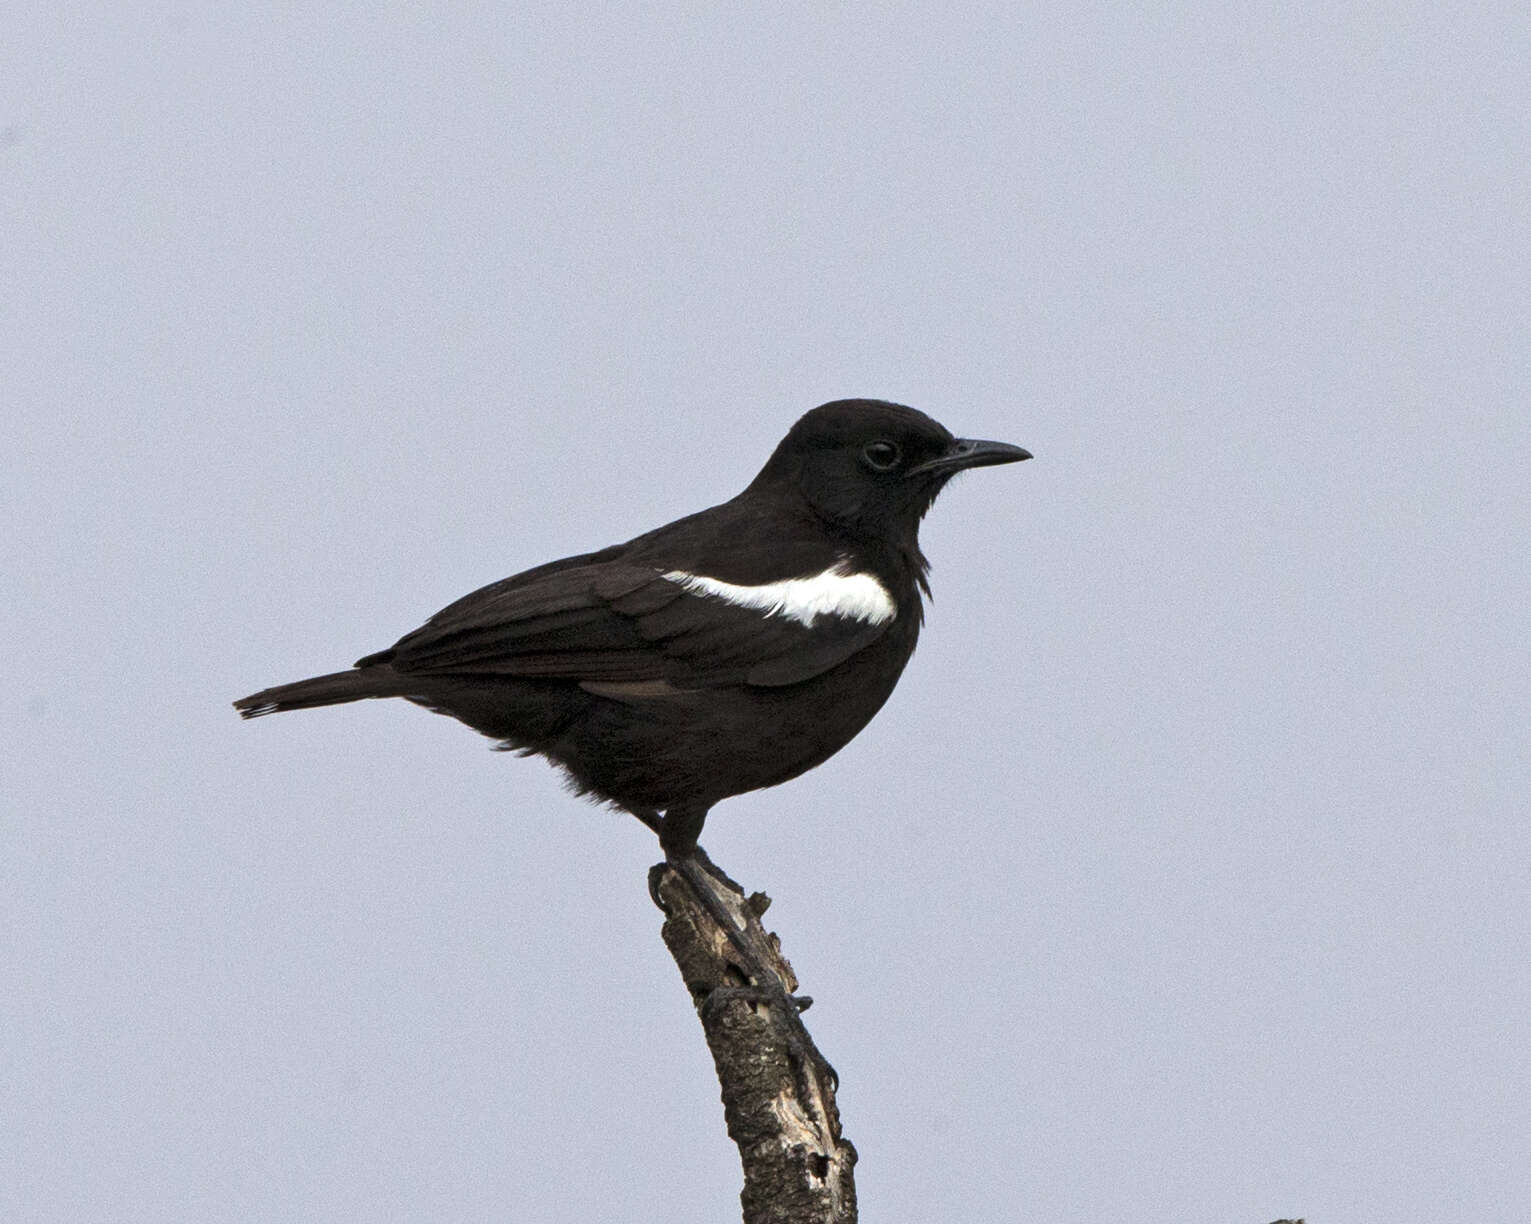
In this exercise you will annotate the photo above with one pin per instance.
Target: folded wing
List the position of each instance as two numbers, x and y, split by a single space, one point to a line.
619 623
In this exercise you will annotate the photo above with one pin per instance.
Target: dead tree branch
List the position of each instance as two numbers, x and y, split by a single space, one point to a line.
778 1091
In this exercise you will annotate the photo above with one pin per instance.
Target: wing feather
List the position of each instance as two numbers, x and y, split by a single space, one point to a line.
617 623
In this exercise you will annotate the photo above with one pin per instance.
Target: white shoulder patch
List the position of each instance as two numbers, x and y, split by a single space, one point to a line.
835 592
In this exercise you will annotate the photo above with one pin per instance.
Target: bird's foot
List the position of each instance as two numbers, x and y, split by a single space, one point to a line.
800 1048
763 995
702 875
763 985
697 870
723 878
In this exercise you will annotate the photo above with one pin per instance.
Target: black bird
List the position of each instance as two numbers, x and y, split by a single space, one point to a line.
727 651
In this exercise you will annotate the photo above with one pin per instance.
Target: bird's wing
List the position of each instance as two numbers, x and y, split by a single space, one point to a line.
621 623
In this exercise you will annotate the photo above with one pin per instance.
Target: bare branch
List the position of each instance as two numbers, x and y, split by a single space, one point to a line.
778 1091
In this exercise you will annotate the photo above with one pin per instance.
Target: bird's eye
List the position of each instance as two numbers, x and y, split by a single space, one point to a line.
881 456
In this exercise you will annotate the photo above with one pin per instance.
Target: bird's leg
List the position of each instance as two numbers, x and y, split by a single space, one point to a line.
678 837
678 831
764 986
649 817
658 823
681 827
655 821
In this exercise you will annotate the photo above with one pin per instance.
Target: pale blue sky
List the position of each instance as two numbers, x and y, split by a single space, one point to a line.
1185 877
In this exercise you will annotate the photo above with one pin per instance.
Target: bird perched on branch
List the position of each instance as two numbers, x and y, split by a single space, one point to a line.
727 651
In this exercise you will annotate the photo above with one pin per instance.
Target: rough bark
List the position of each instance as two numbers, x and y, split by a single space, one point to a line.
778 1091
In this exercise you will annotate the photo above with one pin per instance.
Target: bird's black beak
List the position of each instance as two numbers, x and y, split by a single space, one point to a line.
971 453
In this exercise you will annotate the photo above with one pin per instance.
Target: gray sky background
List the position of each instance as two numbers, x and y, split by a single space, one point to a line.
1184 878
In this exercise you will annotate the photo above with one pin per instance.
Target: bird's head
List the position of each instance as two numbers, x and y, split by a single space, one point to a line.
873 468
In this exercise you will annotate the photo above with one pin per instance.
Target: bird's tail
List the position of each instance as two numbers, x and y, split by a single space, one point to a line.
334 689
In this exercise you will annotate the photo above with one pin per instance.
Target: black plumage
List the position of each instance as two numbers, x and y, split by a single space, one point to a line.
729 650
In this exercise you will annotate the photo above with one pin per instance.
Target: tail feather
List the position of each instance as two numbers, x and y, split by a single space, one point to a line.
334 689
